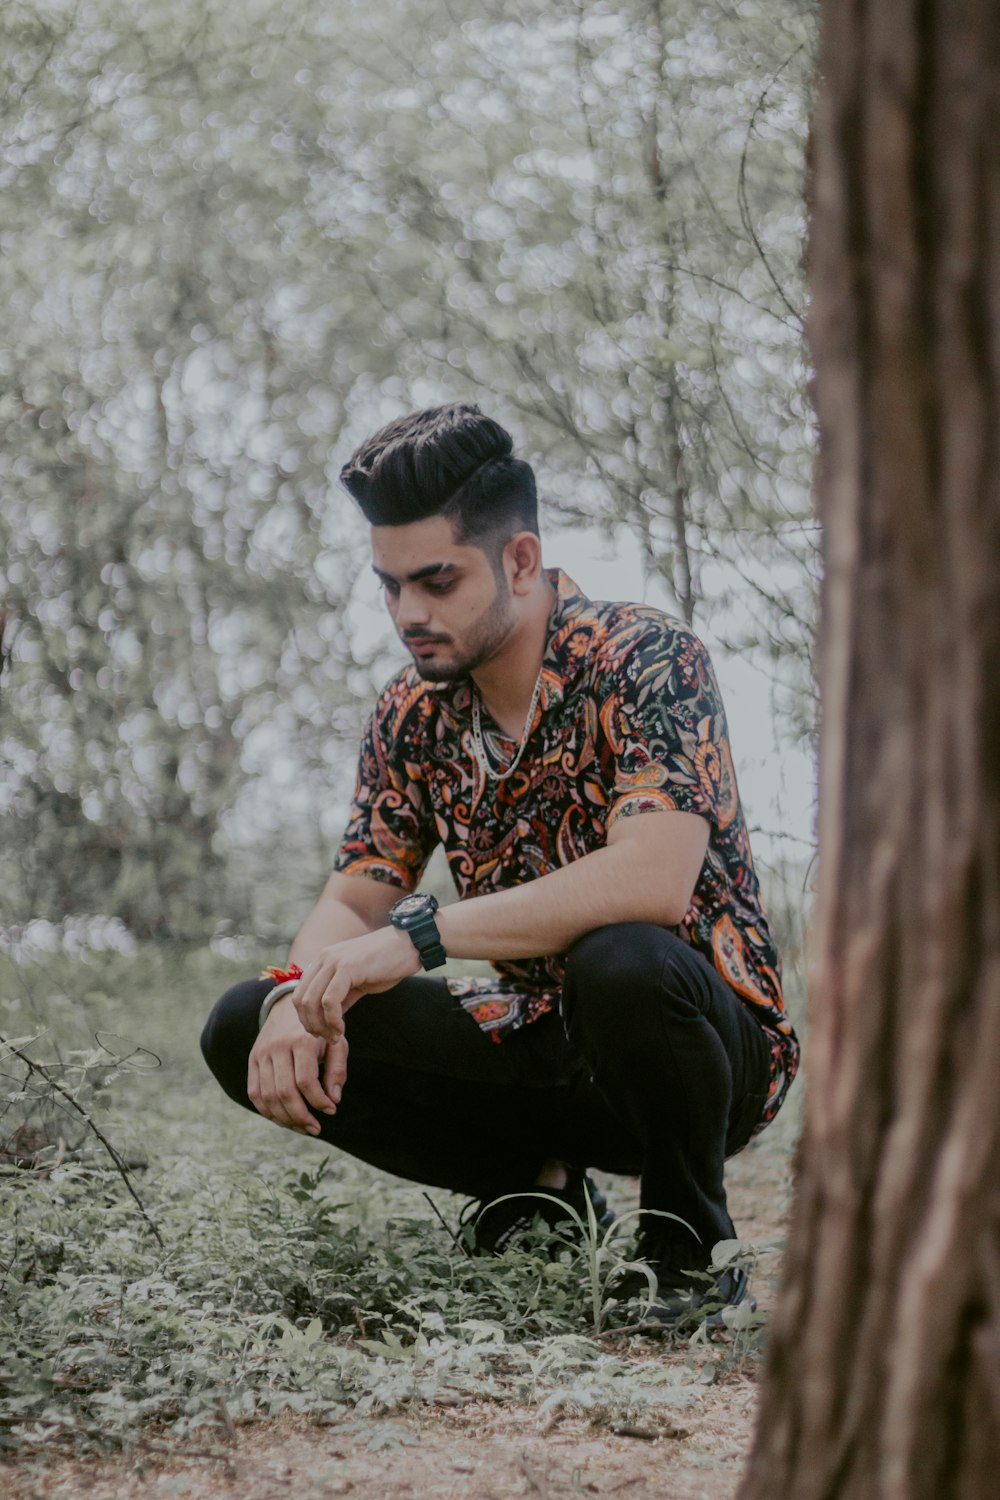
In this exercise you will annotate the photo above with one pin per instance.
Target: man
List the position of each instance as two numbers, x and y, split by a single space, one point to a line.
573 760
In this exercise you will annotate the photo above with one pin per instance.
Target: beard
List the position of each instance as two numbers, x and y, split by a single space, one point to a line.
481 642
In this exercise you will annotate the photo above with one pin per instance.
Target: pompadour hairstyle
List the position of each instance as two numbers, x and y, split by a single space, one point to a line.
446 461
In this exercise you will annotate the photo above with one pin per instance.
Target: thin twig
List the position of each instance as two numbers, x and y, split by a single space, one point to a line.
742 197
119 1162
455 1239
227 1420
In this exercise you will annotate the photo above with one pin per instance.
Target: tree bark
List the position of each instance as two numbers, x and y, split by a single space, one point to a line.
882 1379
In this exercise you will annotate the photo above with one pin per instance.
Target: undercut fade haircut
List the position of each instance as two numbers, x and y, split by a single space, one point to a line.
448 461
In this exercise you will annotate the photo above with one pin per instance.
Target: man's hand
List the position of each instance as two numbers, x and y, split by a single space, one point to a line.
345 971
290 1069
340 974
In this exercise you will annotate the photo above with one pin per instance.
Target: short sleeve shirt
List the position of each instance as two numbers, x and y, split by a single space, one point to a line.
629 721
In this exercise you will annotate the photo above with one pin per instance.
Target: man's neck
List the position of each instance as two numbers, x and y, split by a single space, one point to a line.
507 681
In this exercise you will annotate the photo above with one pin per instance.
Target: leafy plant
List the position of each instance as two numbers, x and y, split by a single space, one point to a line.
600 1259
302 1282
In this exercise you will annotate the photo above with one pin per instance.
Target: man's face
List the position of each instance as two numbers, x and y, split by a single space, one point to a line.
451 609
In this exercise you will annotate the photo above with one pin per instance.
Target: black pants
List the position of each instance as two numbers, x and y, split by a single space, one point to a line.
655 1068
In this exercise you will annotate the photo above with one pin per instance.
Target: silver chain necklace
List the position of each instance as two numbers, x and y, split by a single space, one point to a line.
490 772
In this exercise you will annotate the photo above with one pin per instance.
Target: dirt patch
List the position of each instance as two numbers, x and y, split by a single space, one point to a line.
479 1453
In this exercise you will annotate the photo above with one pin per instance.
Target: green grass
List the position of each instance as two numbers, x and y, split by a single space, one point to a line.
261 1272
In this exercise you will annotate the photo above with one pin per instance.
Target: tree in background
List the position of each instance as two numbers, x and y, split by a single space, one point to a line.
237 237
883 1374
595 215
174 586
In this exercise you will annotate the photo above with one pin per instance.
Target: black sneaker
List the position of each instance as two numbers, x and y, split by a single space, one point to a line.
684 1304
673 1299
526 1220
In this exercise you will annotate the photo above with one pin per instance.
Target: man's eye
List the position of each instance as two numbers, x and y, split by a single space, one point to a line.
392 589
440 588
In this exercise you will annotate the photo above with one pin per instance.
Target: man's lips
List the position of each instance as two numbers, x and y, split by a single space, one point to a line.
422 645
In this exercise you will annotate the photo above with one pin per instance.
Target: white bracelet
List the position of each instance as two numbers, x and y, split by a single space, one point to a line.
272 997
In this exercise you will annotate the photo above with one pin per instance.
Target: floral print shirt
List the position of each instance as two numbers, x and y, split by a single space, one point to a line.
629 721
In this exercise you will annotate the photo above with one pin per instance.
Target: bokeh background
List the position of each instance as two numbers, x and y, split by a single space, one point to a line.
235 238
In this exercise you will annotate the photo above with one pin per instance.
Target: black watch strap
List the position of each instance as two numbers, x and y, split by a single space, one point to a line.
415 916
427 941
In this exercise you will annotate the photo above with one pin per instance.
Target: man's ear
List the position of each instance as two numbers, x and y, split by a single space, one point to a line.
522 557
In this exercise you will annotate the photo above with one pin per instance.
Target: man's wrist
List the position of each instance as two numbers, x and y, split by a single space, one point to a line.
407 948
272 998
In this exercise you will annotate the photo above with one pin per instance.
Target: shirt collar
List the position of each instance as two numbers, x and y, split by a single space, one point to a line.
571 629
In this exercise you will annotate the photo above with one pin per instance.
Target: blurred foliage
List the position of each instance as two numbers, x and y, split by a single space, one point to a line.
236 238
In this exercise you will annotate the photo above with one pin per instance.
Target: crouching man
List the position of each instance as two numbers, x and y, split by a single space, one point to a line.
573 759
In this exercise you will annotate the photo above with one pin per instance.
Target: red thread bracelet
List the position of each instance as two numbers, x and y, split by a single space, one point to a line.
281 976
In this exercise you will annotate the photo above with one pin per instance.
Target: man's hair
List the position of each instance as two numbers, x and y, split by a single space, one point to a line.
446 461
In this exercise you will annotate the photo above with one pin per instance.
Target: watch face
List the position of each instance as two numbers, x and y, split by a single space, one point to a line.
409 906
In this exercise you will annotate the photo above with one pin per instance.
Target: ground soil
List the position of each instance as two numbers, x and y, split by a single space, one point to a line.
476 1452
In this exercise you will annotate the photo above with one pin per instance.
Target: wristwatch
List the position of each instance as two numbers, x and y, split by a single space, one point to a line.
415 915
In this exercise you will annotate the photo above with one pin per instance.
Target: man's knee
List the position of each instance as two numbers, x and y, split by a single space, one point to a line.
624 983
230 1032
624 959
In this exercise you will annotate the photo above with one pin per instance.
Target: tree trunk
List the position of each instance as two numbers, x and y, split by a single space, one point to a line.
883 1373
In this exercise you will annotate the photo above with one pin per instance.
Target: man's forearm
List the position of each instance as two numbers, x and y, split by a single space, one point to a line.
350 906
330 921
547 915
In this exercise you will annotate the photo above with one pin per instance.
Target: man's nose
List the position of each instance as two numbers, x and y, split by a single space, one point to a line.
412 609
